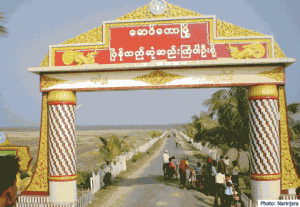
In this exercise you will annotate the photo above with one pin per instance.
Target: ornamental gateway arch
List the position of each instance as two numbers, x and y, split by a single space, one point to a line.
176 49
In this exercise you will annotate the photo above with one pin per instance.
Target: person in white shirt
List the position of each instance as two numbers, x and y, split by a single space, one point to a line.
213 177
226 160
229 191
165 161
199 172
107 174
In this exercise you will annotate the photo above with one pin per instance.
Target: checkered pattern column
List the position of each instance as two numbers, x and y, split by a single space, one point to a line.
264 137
62 147
265 169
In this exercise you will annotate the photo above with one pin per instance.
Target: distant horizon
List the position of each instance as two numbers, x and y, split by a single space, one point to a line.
93 127
99 125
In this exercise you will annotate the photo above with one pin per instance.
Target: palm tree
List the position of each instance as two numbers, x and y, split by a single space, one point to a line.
111 148
3 30
232 109
292 109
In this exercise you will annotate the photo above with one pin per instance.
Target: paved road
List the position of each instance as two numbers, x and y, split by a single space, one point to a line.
144 189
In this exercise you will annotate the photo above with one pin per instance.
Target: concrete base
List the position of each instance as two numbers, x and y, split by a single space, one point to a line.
63 192
265 190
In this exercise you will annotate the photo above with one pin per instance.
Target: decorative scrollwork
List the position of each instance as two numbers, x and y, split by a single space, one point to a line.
276 74
47 81
289 178
158 78
39 180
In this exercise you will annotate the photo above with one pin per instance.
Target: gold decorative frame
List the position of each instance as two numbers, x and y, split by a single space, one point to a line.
23 154
39 181
290 177
158 78
276 74
47 81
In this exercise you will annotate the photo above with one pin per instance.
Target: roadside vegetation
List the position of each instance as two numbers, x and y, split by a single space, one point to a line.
225 125
110 149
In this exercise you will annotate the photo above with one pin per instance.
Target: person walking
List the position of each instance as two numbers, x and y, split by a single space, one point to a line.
229 191
199 173
176 166
107 174
165 162
226 161
235 175
182 171
221 166
219 187
207 173
171 168
213 178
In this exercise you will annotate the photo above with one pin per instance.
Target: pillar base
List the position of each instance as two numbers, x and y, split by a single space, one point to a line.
63 192
265 190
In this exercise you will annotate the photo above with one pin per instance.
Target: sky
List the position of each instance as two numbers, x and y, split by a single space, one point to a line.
33 25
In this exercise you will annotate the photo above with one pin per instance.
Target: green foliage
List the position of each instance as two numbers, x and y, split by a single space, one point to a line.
232 108
247 180
155 134
224 147
136 157
83 179
3 30
296 129
113 147
292 109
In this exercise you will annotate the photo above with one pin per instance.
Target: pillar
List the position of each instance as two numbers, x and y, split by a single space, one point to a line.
265 170
62 147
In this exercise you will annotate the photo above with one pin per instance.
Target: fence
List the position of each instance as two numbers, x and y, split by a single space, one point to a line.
288 197
247 201
204 150
86 196
121 159
44 201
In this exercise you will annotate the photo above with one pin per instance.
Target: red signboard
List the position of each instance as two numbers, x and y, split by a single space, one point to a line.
170 42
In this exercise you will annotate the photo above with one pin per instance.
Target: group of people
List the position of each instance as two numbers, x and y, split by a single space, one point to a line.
170 164
219 182
213 177
177 142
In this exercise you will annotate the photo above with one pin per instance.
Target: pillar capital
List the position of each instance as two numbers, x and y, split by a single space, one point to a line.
67 97
263 92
